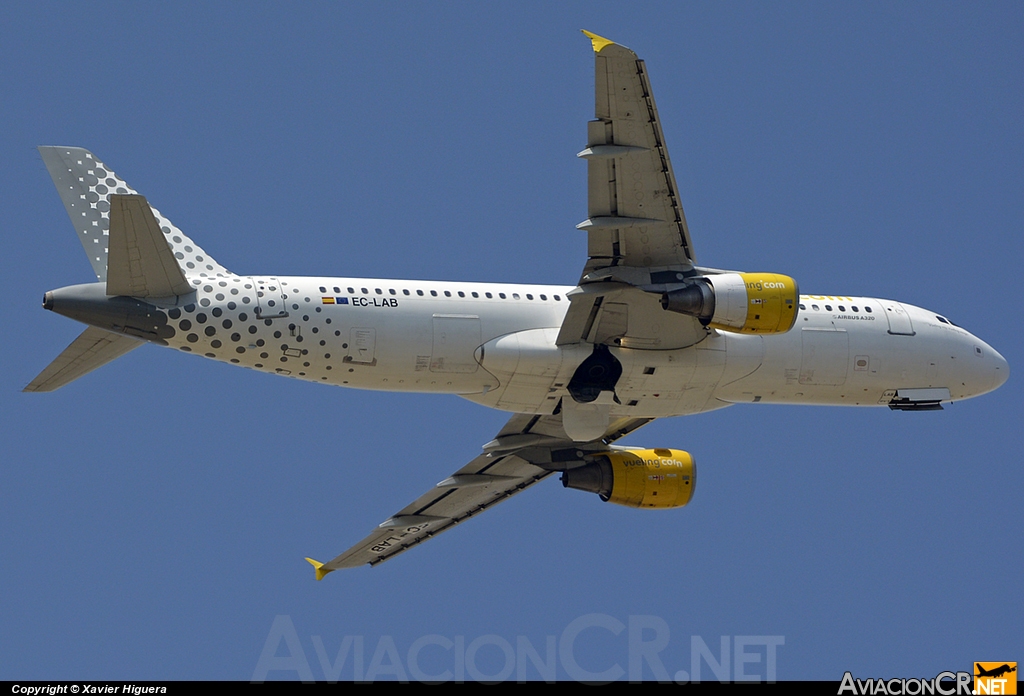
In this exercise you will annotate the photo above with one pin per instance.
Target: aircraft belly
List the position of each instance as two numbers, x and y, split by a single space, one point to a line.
530 368
670 382
533 373
653 382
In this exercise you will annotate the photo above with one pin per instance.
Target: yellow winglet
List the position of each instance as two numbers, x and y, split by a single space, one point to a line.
599 41
320 572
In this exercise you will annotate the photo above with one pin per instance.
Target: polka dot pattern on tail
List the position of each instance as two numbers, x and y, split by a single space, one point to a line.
85 185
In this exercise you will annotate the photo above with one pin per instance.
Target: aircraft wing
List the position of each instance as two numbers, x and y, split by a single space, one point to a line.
638 243
634 217
505 468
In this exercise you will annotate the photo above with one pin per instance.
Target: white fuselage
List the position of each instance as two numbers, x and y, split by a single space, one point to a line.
495 345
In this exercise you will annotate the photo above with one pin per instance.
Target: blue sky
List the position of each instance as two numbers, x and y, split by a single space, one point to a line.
156 512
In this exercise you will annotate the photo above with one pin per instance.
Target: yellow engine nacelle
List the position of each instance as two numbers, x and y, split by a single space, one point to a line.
760 303
652 478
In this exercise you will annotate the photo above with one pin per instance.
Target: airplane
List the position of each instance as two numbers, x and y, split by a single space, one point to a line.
995 671
646 332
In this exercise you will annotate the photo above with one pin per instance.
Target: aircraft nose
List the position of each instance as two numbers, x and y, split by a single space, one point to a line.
986 370
1001 369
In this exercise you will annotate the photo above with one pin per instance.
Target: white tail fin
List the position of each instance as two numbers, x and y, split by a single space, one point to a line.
85 185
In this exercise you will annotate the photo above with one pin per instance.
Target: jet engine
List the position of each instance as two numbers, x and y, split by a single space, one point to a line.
651 478
760 303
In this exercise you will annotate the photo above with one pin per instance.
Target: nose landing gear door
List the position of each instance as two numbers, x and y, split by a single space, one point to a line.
271 302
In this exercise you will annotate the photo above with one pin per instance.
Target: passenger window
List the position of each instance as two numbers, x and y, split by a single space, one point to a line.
529 297
855 309
544 297
433 293
392 291
447 293
842 308
557 298
501 295
352 291
828 307
475 294
814 307
378 291
323 289
405 292
802 307
461 294
515 296
488 295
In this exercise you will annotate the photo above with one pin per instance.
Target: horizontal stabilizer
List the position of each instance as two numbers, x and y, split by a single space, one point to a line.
140 261
94 348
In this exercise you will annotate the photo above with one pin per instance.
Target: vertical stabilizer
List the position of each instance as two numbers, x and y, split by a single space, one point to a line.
85 185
